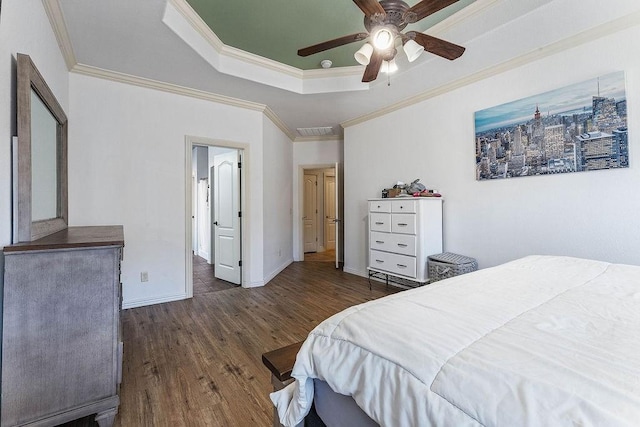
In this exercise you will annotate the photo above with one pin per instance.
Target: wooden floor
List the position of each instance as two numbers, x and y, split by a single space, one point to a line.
197 362
326 256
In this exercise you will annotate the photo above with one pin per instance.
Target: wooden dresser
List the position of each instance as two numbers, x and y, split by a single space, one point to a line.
403 232
61 340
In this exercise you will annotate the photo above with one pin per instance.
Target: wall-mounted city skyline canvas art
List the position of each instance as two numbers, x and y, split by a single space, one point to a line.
577 128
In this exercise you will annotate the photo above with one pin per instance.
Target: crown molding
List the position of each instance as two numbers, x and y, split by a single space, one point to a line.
182 19
129 79
59 26
268 112
603 30
203 29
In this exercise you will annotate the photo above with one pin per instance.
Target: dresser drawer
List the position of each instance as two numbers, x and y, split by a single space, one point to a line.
380 206
380 222
399 243
393 263
403 223
403 206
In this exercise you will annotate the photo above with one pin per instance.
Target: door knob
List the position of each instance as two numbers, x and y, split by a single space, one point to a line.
215 222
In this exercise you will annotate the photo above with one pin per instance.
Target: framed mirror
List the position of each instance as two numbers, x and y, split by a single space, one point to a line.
40 196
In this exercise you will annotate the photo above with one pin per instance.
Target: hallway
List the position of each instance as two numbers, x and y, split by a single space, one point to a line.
204 281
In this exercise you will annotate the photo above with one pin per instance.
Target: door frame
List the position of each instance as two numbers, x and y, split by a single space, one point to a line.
298 223
245 231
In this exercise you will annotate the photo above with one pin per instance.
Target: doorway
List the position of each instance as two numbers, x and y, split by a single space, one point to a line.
214 259
321 202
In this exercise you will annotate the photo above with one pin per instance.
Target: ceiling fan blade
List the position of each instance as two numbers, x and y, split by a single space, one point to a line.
330 44
437 46
427 7
370 7
372 70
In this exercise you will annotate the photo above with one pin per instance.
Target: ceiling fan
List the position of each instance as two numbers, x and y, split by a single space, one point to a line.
384 21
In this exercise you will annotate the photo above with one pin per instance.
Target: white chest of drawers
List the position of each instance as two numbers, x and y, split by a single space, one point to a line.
403 232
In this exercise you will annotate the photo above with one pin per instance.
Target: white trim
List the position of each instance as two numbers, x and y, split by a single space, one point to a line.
354 271
190 141
130 79
592 34
151 301
59 26
180 18
115 76
297 220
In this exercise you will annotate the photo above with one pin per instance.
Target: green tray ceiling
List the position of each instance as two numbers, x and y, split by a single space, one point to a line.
276 29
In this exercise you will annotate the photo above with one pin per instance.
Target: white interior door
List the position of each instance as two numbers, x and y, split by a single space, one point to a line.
339 204
227 217
330 212
194 212
204 240
212 218
310 212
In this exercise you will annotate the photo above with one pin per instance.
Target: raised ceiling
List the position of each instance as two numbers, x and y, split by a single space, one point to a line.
276 29
131 41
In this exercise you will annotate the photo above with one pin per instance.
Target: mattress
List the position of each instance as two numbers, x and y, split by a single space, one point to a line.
537 341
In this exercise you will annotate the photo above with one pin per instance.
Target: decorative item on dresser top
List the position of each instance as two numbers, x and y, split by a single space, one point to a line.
403 232
61 338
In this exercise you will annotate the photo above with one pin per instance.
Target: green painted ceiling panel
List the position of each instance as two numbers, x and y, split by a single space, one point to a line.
276 29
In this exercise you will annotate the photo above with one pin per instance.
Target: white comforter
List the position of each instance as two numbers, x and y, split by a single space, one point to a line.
540 341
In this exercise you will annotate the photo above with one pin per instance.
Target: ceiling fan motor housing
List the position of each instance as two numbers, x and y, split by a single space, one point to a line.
396 16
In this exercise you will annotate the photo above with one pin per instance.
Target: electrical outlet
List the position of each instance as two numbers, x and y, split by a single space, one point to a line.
144 276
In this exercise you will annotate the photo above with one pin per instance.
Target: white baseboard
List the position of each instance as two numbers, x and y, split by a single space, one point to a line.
150 301
278 270
354 271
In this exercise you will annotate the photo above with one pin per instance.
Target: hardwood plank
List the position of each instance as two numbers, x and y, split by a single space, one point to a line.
198 362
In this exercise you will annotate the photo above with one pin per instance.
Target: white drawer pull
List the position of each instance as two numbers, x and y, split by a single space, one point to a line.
401 265
379 241
380 223
379 261
401 224
402 245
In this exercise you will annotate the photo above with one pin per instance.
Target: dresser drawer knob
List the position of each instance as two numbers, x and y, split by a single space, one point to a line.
402 224
401 265
379 223
379 261
379 241
402 245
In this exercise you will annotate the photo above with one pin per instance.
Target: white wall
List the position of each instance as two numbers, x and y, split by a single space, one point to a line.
127 166
277 200
586 214
309 154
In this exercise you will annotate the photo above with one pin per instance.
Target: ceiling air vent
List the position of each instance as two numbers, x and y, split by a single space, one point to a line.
320 131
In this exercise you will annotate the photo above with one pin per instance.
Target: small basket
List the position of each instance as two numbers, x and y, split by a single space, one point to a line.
447 264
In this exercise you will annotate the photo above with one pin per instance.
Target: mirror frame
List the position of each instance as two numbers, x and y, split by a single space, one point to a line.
28 78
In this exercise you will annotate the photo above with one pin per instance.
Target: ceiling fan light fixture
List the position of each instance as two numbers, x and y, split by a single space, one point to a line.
382 38
389 67
363 55
413 50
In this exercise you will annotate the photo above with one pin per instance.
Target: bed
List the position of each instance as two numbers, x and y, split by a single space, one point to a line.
538 341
